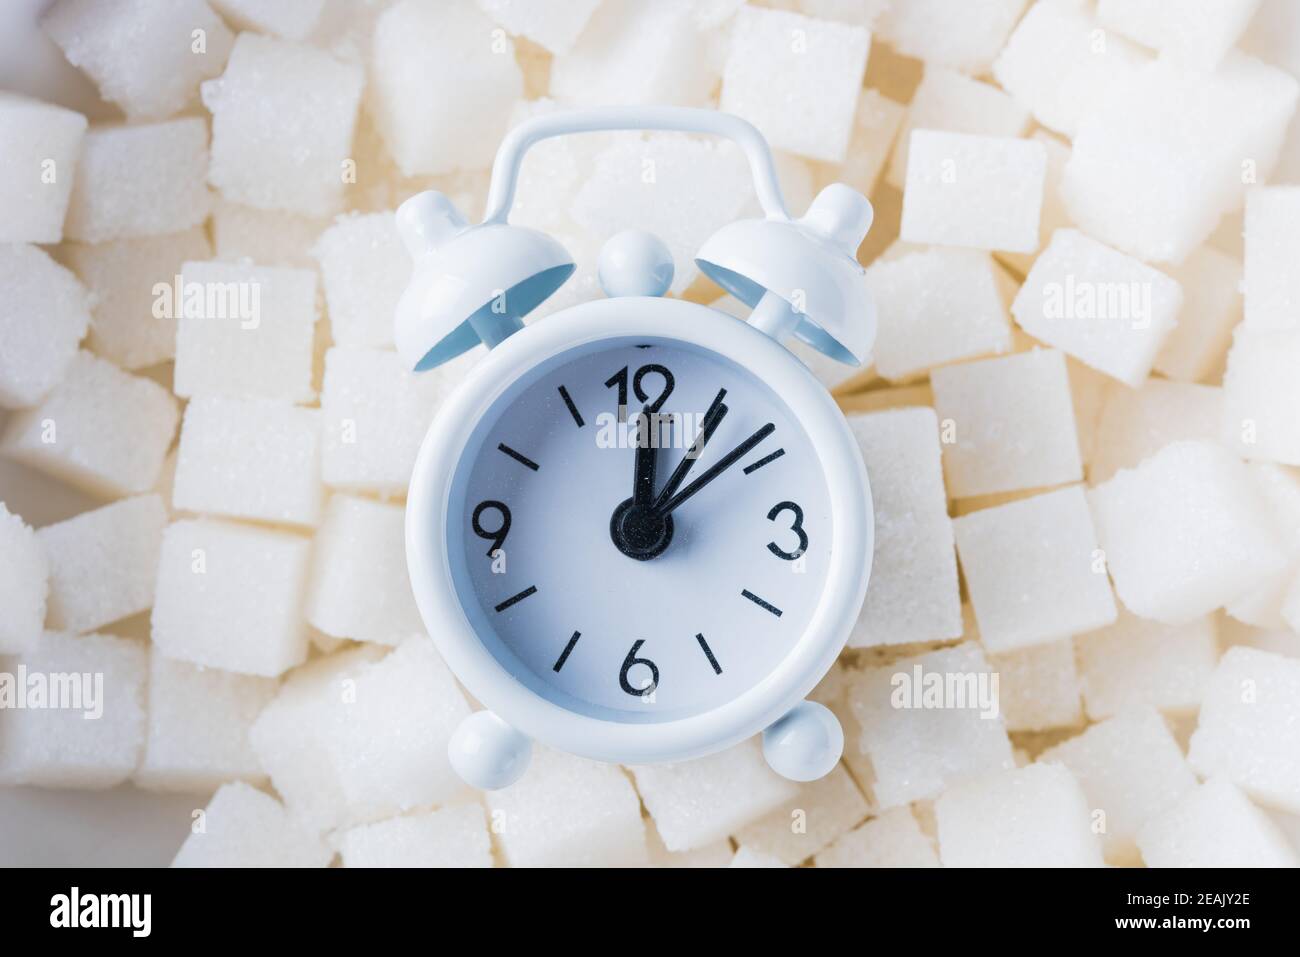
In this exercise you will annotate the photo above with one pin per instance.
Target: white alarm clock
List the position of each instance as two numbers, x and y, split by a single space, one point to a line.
641 530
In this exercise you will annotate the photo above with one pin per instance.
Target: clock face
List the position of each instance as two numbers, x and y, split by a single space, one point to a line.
639 530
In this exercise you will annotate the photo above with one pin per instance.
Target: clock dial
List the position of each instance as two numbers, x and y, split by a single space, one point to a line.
640 530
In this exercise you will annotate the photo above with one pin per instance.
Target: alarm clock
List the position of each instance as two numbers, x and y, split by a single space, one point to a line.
640 531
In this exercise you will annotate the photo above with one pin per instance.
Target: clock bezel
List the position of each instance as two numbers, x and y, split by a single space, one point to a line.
530 710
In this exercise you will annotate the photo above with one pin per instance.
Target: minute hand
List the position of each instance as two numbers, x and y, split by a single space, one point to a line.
721 466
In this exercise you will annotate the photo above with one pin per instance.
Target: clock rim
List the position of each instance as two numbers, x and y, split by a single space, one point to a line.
489 681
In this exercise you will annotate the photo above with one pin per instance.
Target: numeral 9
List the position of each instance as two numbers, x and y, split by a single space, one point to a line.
498 536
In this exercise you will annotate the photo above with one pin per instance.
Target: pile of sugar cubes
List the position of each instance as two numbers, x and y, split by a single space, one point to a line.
1081 640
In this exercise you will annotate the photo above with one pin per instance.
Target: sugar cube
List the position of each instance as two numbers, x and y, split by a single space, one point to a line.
1264 604
229 596
950 101
1198 33
364 270
996 441
748 857
632 54
199 719
245 331
717 854
1262 392
554 25
1184 532
376 413
1038 687
567 811
250 458
359 587
1131 771
913 594
1272 236
38 167
1137 423
1032 570
806 824
37 354
696 802
245 827
143 180
102 430
1104 308
1035 816
291 19
928 722
1136 663
450 837
1249 731
267 237
424 59
74 712
177 45
936 306
894 839
965 35
1212 305
1214 826
984 192
24 574
124 277
1061 65
103 562
1054 215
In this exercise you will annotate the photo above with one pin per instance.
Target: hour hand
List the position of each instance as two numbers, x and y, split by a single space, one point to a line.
643 481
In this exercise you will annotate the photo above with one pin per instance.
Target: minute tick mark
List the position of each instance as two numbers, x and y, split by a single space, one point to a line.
766 606
564 655
573 409
518 456
515 599
708 653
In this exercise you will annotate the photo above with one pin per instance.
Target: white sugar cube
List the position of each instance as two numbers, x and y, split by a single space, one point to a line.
567 811
1032 570
894 839
554 25
1264 605
717 854
748 857
229 596
984 192
37 168
364 270
935 307
1008 424
633 54
376 413
24 584
245 827
1137 662
1215 826
928 722
1061 65
101 430
1249 729
245 331
963 34
1054 215
1212 306
876 125
1137 423
250 458
424 59
1272 236
142 180
359 586
1039 686
1104 308
1131 771
177 45
950 101
267 237
451 837
1262 392
821 812
1198 33
797 79
1029 817
1168 566
283 115
694 803
1120 185
291 19
913 594
199 719
123 276
103 562
78 715
37 355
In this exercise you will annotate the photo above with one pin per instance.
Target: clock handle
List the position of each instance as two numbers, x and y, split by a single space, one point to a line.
804 744
487 753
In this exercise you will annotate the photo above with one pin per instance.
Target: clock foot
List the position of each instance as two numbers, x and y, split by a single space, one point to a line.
488 753
805 744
